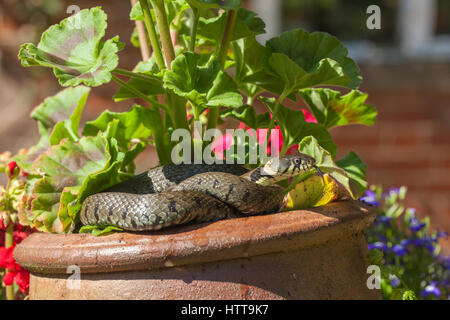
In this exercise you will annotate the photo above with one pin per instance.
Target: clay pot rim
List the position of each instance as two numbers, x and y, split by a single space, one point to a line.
191 244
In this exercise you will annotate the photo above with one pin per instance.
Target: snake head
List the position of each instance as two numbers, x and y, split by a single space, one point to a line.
288 166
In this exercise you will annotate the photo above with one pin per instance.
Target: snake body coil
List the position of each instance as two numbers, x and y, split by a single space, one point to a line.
178 194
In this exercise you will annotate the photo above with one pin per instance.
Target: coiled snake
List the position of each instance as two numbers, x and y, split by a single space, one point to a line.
178 194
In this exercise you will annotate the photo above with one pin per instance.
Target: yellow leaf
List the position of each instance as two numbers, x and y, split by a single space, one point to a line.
312 192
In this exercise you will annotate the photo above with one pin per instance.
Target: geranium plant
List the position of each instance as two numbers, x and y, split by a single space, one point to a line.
206 66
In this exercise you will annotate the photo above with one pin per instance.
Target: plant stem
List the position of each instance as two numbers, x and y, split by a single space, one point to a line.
143 44
164 30
137 75
274 114
132 89
152 33
226 38
195 17
8 244
222 56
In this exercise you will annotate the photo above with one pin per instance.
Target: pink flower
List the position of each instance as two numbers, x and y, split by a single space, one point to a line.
225 141
308 116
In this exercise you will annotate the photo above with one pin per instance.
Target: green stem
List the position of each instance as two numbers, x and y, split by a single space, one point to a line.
152 33
222 57
132 89
164 30
137 75
195 17
8 244
226 38
274 114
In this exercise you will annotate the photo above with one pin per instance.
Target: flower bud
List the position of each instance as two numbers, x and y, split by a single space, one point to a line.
12 170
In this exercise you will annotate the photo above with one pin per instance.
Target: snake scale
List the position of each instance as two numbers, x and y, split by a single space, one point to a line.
178 194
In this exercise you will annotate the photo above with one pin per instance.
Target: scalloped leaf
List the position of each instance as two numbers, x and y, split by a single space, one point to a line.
203 86
133 124
247 24
75 51
58 117
74 170
308 50
331 109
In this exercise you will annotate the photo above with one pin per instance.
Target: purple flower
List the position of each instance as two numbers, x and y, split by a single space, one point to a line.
378 245
431 289
383 219
426 242
400 250
416 226
370 197
395 282
406 242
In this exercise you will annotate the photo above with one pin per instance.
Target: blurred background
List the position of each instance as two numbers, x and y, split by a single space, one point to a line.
405 67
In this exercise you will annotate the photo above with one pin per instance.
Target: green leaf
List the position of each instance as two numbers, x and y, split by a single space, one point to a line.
250 58
219 4
100 230
332 110
247 115
150 84
324 161
356 171
311 50
247 24
75 51
65 174
294 127
130 125
201 85
58 117
62 112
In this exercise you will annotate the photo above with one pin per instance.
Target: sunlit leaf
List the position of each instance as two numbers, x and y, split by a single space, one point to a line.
331 109
314 191
310 146
75 51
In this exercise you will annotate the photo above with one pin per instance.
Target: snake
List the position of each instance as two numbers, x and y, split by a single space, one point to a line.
172 194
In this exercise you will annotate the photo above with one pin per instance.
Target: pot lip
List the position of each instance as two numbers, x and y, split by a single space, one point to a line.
191 244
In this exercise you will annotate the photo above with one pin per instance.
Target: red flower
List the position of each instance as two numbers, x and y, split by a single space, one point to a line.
8 278
15 273
6 258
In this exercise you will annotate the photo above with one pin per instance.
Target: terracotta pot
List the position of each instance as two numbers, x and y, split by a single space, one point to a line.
305 254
